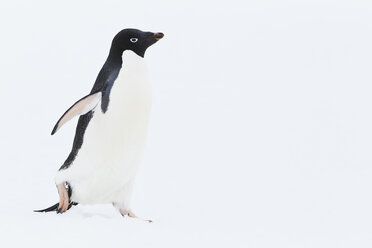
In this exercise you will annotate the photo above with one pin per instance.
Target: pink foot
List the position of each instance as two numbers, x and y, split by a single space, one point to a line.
63 198
132 215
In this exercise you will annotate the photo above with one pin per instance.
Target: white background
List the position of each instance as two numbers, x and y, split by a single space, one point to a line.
260 134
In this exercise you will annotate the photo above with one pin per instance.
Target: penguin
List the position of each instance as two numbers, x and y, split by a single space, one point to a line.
111 132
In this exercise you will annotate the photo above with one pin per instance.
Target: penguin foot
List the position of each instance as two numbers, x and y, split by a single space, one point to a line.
64 200
131 214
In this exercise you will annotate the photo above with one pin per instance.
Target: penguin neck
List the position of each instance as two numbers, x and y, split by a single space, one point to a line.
114 58
116 53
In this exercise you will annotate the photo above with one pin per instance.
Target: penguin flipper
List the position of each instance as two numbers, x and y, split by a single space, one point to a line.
81 107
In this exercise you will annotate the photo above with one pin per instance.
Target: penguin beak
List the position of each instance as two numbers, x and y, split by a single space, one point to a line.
158 36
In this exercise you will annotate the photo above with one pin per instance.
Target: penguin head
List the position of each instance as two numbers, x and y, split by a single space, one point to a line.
134 40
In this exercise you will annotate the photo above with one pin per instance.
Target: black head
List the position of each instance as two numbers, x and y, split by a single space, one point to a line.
135 40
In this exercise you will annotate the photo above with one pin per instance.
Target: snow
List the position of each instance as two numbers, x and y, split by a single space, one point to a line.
260 132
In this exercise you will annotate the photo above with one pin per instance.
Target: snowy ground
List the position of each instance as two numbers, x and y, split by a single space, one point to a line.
261 129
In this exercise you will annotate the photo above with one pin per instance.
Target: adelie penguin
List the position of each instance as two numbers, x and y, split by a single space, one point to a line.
112 128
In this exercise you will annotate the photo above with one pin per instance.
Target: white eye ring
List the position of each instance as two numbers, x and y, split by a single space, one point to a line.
133 40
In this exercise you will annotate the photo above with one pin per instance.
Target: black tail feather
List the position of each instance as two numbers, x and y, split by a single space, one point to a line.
50 209
55 208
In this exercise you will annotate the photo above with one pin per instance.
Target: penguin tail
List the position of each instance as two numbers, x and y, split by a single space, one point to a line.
50 209
55 208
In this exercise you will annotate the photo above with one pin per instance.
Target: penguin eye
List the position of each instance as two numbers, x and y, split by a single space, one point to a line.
133 40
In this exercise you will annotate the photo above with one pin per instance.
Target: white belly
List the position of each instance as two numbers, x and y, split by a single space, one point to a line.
114 142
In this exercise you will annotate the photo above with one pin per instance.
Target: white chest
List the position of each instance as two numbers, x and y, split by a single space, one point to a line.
114 141
129 105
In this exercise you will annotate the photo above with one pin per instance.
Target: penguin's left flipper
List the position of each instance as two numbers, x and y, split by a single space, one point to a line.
81 107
